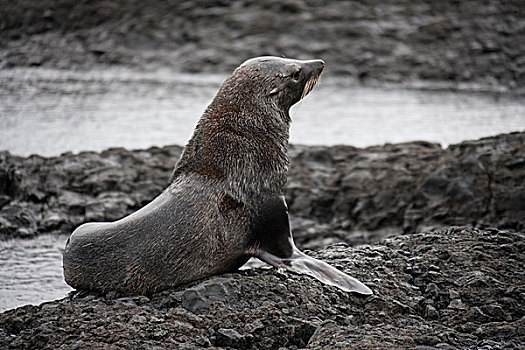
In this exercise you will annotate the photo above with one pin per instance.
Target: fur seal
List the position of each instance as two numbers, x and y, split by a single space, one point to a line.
225 201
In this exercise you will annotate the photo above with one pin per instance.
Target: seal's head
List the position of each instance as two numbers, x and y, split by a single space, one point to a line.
285 81
242 137
269 83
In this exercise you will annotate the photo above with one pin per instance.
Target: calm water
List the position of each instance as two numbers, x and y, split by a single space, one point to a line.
49 112
31 271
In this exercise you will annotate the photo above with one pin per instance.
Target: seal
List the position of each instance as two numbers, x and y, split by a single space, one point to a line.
225 200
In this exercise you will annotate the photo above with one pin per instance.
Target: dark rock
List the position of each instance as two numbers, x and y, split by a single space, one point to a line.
193 302
124 303
109 206
431 313
138 319
203 341
8 181
17 221
14 326
369 41
57 194
196 299
335 194
230 338
245 310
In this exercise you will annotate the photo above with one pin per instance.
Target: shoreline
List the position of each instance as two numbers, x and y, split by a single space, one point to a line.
335 194
369 41
158 75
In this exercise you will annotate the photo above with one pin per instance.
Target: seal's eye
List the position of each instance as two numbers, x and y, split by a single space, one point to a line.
296 74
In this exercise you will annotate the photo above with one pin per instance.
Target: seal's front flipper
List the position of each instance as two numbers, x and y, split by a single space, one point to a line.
304 264
273 244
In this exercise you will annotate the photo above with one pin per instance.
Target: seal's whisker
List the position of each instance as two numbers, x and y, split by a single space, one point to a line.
305 91
303 94
309 86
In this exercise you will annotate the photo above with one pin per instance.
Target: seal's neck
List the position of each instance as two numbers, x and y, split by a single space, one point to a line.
240 142
253 153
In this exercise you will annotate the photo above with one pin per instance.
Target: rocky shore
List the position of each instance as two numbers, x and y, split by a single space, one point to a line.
335 194
448 288
454 44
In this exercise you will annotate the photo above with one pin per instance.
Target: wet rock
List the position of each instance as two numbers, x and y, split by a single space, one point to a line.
60 193
54 221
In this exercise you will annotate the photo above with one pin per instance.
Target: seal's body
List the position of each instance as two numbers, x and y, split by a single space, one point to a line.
225 202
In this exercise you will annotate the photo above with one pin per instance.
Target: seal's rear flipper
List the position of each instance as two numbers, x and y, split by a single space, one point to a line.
304 264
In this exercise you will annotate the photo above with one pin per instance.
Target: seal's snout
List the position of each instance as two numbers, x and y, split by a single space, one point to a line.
321 65
313 70
320 68
313 67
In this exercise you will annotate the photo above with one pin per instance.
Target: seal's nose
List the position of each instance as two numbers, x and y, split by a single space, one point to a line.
315 66
321 65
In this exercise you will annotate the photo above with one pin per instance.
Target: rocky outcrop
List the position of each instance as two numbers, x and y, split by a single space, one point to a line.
459 43
443 289
335 194
57 194
361 195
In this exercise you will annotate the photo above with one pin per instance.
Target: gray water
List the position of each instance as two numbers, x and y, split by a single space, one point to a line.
49 112
31 271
